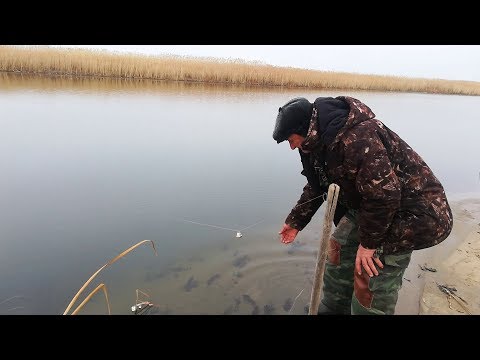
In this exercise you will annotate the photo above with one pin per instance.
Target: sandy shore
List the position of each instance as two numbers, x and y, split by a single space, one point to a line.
445 279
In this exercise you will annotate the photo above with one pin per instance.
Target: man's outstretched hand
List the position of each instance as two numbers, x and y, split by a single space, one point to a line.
288 234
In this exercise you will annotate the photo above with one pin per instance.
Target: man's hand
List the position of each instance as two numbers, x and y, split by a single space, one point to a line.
288 234
365 258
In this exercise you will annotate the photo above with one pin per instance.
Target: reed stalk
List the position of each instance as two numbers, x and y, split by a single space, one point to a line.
103 267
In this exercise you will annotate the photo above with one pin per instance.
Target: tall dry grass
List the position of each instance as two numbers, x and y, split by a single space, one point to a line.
47 61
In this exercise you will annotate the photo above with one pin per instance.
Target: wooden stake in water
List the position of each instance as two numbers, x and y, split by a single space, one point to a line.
332 198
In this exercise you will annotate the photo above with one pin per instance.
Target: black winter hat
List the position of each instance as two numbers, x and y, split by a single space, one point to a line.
293 118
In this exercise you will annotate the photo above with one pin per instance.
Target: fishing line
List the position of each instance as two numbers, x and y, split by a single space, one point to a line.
324 196
238 231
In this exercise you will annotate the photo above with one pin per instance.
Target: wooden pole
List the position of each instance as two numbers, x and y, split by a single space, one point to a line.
332 198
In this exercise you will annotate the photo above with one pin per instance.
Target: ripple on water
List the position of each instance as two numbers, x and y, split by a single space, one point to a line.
238 279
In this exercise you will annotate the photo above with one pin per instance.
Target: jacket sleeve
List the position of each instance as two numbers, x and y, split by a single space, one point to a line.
378 186
308 204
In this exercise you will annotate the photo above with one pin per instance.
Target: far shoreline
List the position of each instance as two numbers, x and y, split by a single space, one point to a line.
139 84
48 61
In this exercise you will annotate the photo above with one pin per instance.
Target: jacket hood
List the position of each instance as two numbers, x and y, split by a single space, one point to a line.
354 111
359 112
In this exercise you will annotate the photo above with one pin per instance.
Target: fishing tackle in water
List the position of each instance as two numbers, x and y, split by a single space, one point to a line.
238 231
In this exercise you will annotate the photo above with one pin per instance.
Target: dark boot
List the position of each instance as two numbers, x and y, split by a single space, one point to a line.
322 310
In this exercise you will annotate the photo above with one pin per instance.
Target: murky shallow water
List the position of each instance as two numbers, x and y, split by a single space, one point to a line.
92 167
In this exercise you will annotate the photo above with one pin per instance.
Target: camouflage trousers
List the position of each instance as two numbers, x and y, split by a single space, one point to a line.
346 292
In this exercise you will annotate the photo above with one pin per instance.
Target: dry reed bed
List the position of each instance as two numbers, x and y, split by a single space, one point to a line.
17 81
42 60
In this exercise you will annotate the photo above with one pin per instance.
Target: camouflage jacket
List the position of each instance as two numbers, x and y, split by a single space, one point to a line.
399 203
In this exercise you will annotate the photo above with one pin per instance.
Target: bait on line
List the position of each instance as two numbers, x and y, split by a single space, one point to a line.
238 231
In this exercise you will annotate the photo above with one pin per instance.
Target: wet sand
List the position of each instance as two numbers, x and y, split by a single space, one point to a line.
453 264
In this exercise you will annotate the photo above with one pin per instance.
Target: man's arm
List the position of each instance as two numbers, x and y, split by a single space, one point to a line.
308 204
301 214
379 188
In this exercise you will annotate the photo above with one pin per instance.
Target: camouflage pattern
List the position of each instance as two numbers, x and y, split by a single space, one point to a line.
401 206
339 269
308 204
344 291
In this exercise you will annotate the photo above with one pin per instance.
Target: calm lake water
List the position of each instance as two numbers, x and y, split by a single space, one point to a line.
90 168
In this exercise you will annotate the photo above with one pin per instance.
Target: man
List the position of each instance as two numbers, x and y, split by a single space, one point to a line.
390 202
